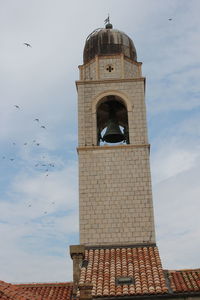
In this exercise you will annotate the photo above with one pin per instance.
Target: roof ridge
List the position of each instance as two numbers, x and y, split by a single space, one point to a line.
184 270
68 283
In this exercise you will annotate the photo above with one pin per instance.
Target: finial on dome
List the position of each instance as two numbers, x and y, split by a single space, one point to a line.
107 23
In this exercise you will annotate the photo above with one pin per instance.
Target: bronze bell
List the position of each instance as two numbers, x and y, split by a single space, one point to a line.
113 132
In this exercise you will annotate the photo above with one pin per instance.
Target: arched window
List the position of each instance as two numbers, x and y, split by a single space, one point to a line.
112 121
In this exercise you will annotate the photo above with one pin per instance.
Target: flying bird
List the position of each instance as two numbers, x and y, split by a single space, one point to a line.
17 106
43 127
14 143
38 144
170 19
27 45
37 120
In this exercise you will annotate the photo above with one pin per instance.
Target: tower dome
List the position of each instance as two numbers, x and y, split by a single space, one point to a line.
106 41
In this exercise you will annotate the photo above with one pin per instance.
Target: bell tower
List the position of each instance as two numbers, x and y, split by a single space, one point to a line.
115 192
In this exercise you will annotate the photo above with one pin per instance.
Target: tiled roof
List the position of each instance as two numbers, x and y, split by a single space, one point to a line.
105 266
12 292
36 291
185 281
54 291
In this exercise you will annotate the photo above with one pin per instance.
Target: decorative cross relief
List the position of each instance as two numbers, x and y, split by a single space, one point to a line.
110 68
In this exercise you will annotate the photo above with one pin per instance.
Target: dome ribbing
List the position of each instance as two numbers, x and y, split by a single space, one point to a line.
106 41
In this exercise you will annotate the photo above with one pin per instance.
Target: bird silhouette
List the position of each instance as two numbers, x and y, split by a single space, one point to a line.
38 144
43 127
37 120
17 106
27 45
170 19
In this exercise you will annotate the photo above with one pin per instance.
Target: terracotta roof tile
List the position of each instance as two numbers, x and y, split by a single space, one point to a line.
12 292
105 266
54 291
38 291
185 280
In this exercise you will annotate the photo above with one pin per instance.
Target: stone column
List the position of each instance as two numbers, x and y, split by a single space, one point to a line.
85 291
77 255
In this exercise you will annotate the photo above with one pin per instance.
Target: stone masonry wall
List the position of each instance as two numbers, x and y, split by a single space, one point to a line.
114 63
114 181
131 70
120 68
115 196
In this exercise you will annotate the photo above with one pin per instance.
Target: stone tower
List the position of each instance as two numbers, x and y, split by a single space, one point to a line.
115 191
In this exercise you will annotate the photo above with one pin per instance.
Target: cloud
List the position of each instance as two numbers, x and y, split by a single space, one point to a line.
37 224
175 148
172 160
176 203
176 172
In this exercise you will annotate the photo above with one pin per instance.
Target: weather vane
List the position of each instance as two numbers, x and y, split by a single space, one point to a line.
107 20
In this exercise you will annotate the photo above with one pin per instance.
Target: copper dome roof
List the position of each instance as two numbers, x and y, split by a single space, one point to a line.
105 41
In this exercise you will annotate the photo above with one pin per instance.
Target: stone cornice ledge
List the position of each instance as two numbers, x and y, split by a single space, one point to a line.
80 82
107 147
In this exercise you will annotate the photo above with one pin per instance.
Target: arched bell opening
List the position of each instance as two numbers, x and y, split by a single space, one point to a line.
112 121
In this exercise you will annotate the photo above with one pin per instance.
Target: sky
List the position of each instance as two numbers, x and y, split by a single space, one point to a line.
38 127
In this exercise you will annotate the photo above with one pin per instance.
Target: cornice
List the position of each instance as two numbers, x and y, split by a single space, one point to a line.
83 82
107 147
